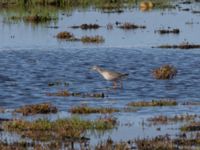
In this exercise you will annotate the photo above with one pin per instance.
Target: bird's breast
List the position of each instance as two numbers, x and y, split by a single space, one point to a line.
108 76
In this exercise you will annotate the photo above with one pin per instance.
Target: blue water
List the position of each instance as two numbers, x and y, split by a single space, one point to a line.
25 74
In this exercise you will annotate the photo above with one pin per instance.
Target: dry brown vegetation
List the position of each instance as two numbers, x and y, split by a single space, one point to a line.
92 39
165 119
193 126
66 36
146 5
84 109
153 103
109 144
128 26
165 72
167 143
43 108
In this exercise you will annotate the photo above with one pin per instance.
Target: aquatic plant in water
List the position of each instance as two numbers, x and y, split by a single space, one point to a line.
43 108
84 109
165 72
153 103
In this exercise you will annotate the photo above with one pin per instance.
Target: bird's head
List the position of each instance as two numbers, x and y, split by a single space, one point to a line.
95 68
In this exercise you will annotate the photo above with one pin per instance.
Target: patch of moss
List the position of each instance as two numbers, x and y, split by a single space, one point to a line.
84 109
153 103
165 72
43 108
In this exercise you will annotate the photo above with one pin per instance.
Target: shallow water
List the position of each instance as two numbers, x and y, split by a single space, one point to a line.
33 58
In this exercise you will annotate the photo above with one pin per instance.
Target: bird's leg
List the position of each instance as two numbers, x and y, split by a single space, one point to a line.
114 84
121 84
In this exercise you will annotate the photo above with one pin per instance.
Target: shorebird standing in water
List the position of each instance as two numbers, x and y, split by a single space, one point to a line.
110 75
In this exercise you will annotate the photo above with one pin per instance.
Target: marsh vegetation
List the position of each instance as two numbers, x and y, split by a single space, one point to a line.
51 100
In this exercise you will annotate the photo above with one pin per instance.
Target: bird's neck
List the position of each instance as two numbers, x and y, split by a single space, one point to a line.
100 70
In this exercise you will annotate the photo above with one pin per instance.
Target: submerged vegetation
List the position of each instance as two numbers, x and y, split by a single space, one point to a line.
84 109
34 18
168 31
65 93
92 39
128 26
184 45
86 26
165 72
165 119
153 103
43 108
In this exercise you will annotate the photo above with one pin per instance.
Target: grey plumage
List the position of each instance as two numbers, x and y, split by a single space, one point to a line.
110 75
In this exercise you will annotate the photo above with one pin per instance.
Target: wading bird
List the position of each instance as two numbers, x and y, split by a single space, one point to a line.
110 75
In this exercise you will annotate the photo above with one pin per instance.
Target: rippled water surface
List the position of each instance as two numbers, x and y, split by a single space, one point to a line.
25 75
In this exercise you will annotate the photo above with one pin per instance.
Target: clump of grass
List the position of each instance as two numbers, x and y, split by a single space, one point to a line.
43 108
66 36
92 39
22 145
60 93
110 144
164 142
165 72
165 119
65 93
45 130
157 143
87 26
193 126
166 31
184 45
153 103
128 26
84 109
